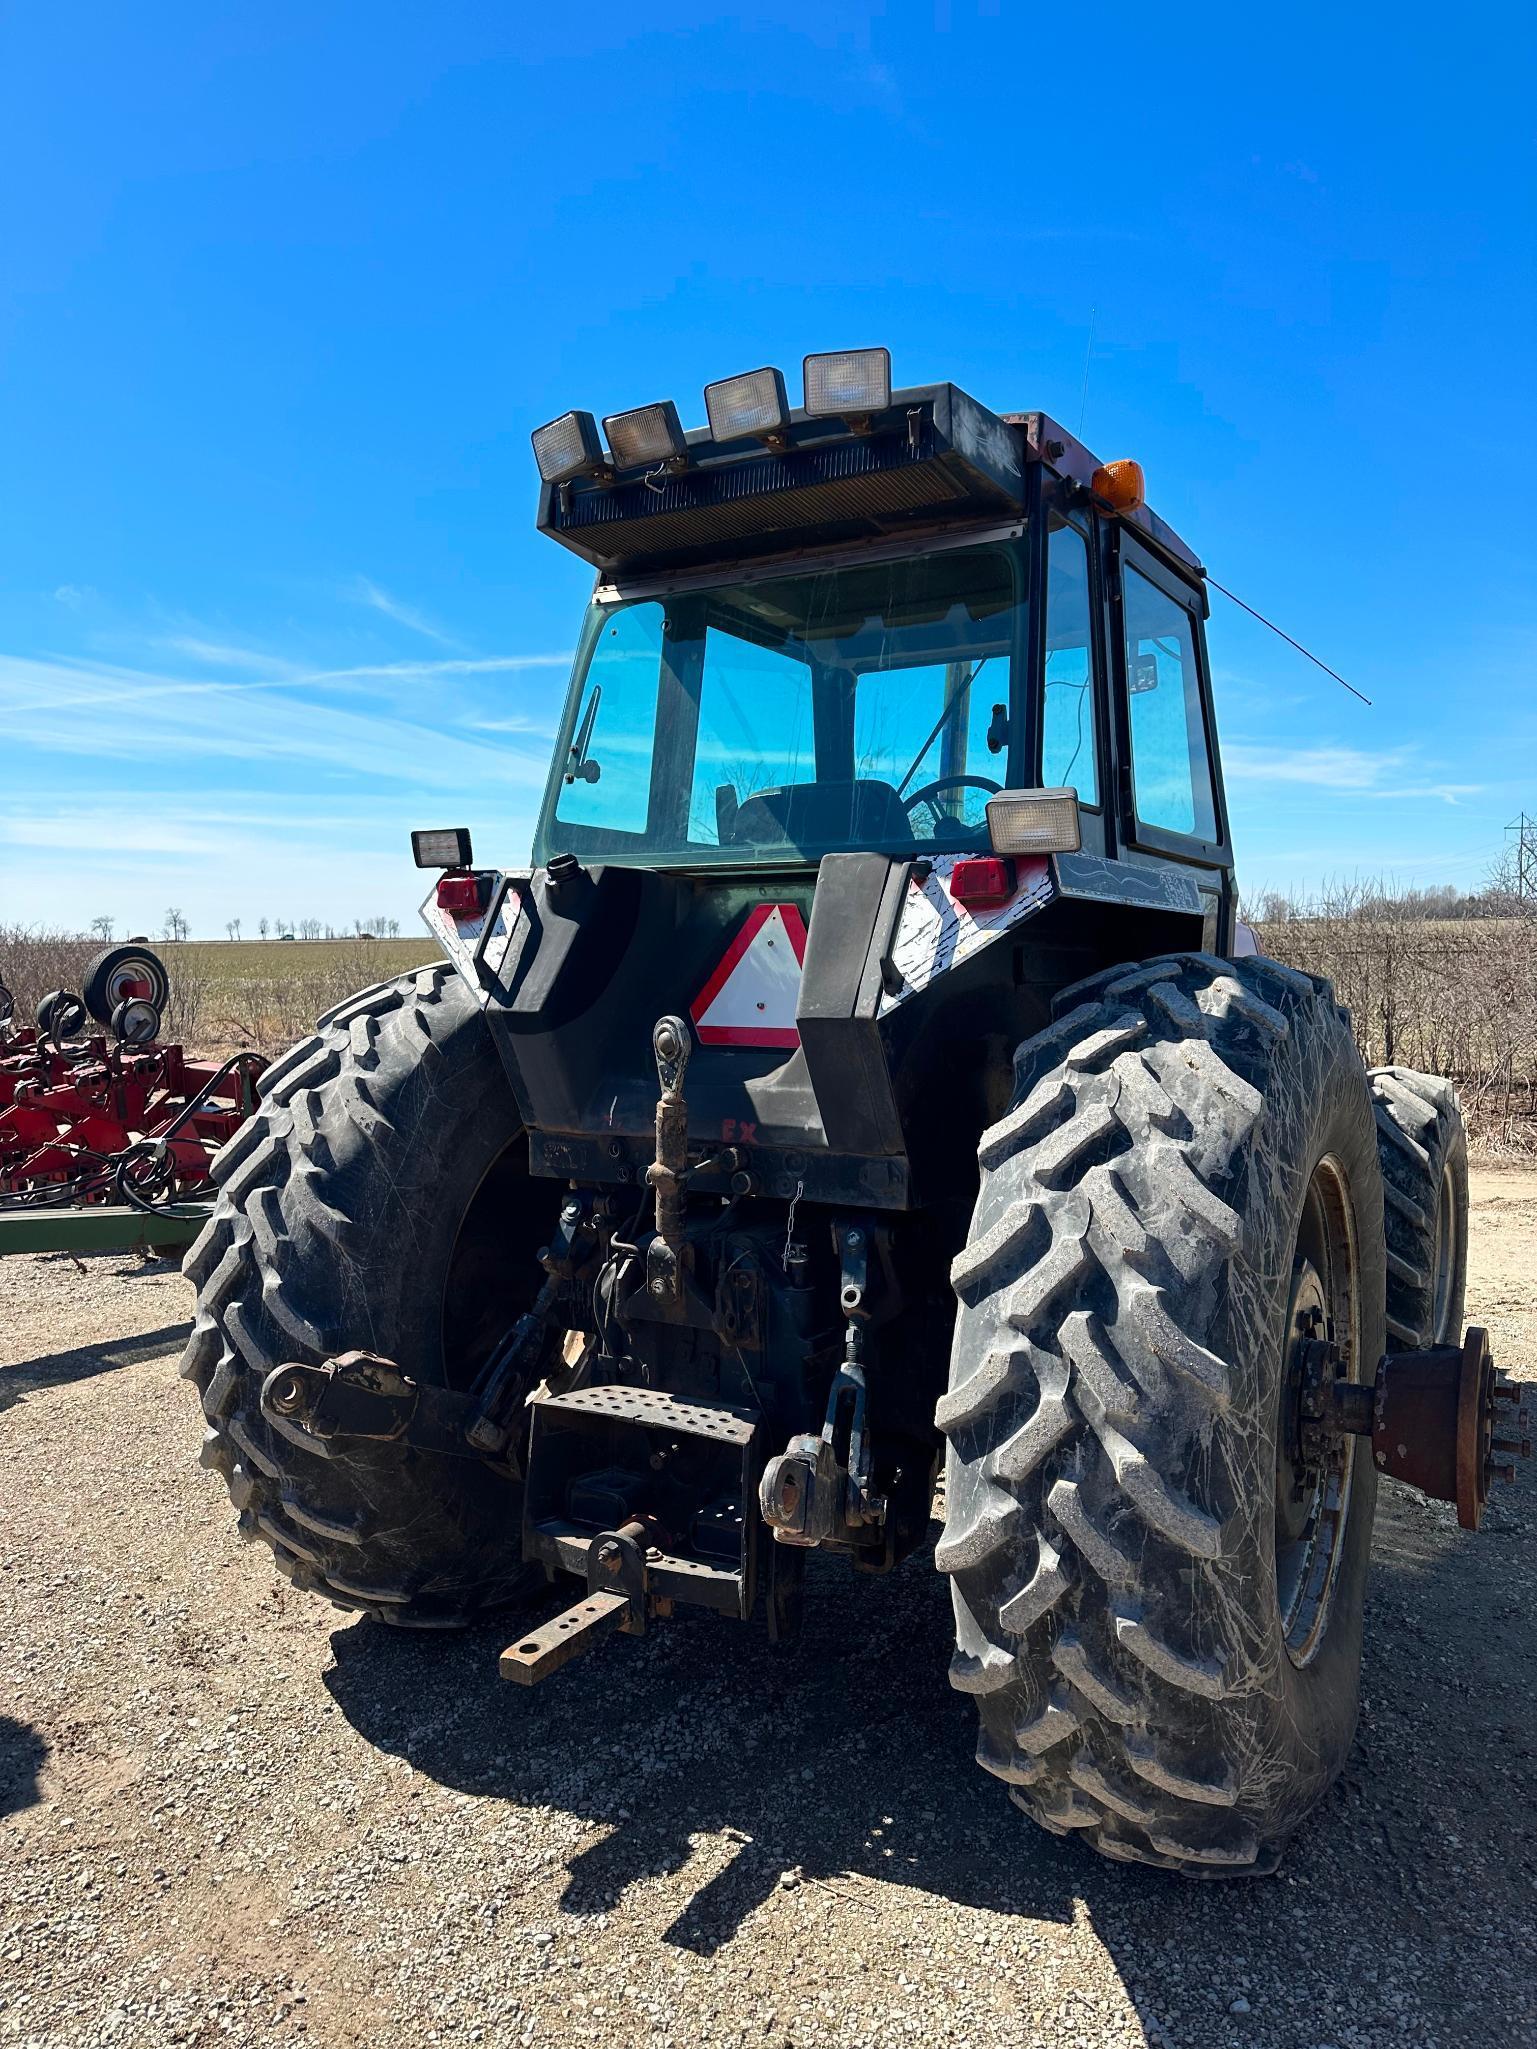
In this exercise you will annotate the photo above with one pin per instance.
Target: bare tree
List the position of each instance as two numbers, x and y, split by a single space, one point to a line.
101 928
392 927
309 928
233 928
264 926
176 926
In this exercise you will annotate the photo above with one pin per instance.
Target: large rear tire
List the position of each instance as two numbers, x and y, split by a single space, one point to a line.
1423 1147
1158 1598
377 1201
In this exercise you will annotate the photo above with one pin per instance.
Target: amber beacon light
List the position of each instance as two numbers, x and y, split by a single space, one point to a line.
1120 484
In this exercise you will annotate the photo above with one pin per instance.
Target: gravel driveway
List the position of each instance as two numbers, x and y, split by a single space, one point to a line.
229 1814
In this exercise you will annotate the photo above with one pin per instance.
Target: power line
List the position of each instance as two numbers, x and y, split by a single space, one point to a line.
1525 832
1297 644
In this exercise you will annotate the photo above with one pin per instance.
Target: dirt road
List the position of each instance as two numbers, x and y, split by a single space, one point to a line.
229 1814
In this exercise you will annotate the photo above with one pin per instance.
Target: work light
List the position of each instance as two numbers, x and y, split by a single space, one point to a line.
1034 822
753 403
447 848
649 435
850 382
568 447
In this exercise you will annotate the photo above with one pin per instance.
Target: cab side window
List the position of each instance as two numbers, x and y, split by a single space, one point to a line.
1069 750
1171 768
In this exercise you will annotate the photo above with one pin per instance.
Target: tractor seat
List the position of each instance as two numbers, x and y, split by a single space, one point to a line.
822 814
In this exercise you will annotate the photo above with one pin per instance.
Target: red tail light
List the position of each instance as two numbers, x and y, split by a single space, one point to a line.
462 896
982 883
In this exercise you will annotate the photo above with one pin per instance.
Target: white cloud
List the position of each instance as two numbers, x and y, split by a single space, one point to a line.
1346 770
75 595
223 655
139 716
366 592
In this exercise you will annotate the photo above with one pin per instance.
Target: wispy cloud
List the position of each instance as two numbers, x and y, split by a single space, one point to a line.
215 654
75 595
470 665
1354 771
142 716
364 591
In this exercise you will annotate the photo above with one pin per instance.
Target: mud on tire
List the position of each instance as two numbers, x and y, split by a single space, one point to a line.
1113 1412
360 1208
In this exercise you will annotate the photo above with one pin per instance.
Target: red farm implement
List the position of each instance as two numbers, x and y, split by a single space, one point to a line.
107 1134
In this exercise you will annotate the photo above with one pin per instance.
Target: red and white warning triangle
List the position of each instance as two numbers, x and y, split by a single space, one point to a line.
750 999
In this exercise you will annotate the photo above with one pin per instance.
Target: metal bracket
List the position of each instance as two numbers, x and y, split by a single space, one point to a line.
362 1398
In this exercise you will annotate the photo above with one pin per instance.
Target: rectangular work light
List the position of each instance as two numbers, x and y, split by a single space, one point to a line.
568 447
446 848
753 403
1034 822
648 435
850 382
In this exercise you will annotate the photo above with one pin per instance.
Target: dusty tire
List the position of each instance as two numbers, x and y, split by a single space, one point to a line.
109 976
1115 1408
368 1205
1423 1147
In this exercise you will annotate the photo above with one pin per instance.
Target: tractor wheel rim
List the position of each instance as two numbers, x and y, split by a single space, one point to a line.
1448 1254
1312 1492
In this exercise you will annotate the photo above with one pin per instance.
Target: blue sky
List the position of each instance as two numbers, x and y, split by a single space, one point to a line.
283 290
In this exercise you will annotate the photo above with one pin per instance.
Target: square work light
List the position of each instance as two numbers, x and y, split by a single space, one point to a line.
448 848
649 435
1034 822
753 403
568 447
851 382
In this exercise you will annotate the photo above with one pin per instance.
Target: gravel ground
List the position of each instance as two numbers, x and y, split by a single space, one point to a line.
229 1815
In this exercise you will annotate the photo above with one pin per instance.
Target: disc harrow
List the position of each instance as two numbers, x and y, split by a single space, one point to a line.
102 1118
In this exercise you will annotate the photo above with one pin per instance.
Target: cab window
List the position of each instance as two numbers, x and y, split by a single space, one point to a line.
1171 768
1069 752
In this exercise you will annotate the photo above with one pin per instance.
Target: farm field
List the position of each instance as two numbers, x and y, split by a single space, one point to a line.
245 960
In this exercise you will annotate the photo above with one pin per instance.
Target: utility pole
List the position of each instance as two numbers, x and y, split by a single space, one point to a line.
1524 832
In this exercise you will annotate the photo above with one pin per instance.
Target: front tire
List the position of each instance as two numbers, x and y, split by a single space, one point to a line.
378 1201
1163 1636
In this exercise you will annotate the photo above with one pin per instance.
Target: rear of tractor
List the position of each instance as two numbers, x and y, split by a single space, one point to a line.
867 1079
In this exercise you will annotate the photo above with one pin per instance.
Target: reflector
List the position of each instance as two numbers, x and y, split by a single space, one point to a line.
1034 822
649 434
753 403
567 447
850 381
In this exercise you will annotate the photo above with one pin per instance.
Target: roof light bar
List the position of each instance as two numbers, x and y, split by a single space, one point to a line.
568 447
754 403
1034 822
849 383
648 435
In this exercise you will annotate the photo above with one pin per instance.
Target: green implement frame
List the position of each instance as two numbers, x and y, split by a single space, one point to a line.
101 1228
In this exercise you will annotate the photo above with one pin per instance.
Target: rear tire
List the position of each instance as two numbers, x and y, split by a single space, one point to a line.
1157 1666
1423 1146
378 1201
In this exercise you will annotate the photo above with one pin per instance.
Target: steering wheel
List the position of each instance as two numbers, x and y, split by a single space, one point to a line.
941 784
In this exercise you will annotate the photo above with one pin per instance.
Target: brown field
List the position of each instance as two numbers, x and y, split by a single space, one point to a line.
225 994
1453 995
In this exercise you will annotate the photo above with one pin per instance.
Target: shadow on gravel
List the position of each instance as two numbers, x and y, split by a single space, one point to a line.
53 1369
849 1756
22 1751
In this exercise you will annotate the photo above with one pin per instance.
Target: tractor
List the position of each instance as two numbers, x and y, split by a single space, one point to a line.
868 1106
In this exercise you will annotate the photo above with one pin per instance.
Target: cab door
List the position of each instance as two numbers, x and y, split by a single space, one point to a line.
1170 805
